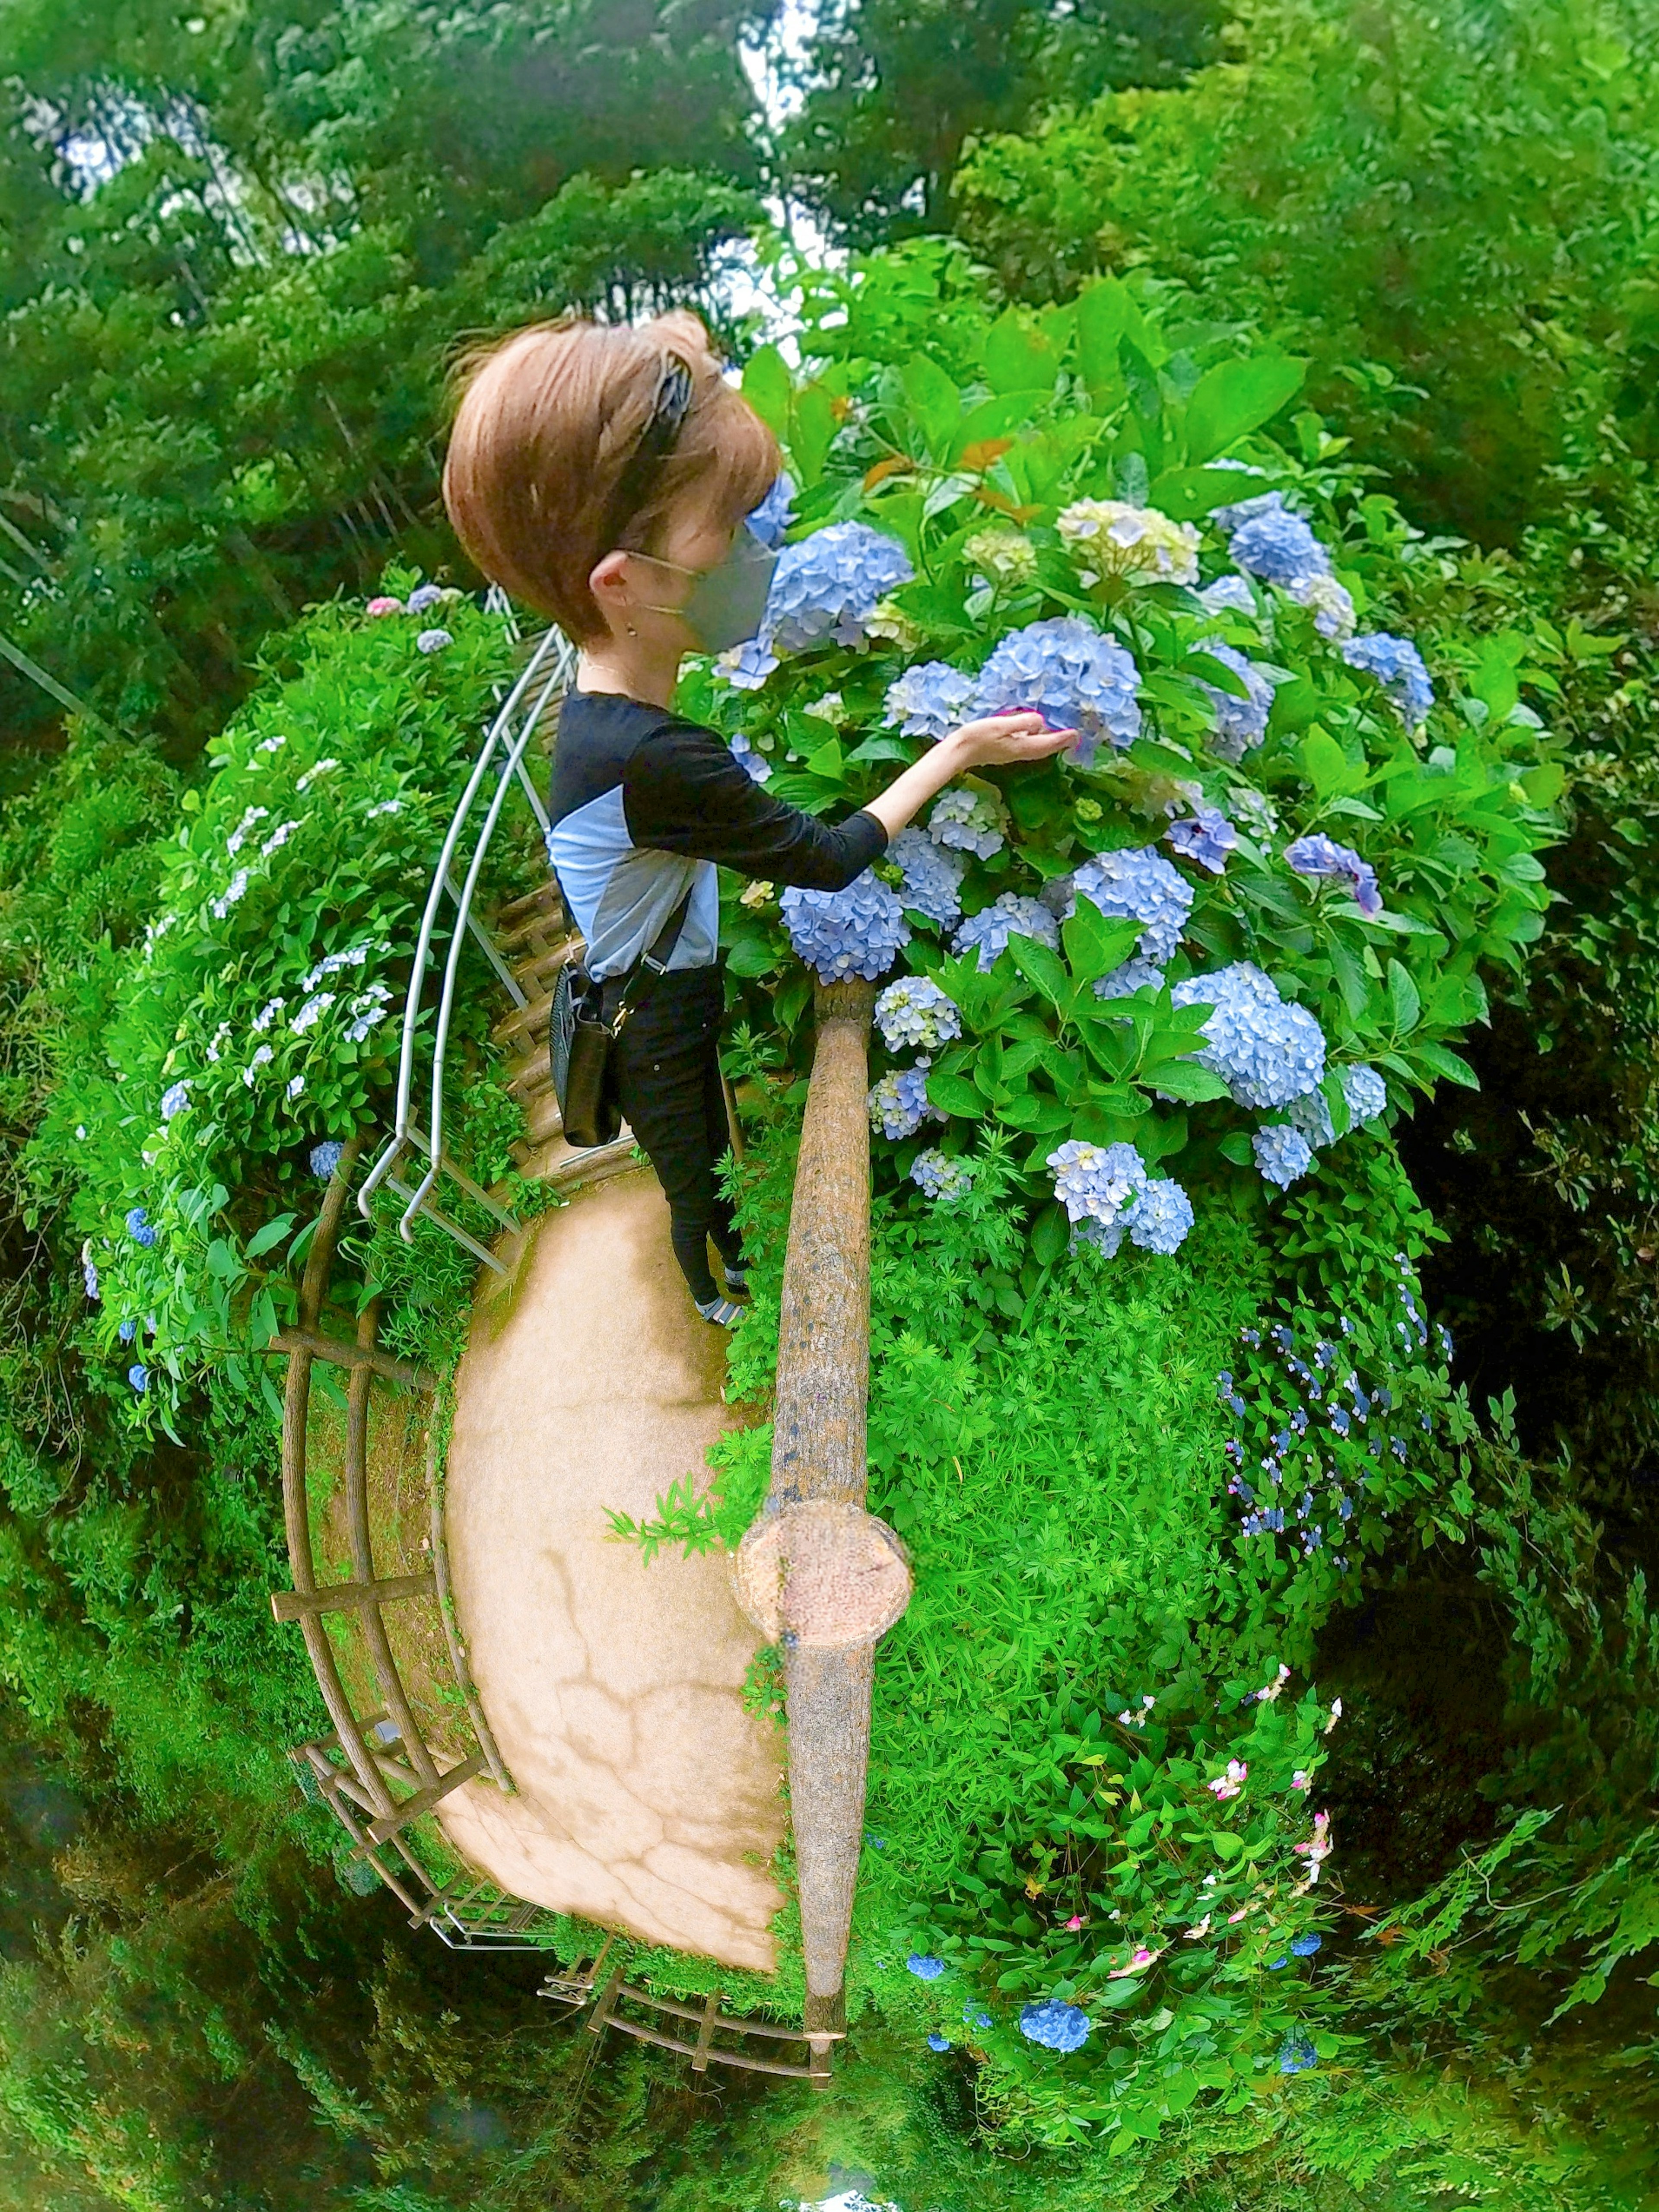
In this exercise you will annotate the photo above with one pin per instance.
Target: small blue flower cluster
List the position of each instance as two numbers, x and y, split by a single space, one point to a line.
1161 1217
770 520
1240 724
1065 670
139 1229
1207 837
1282 1154
1012 916
432 640
1134 975
970 821
930 876
1229 594
1268 540
857 932
1057 2026
174 1099
1365 1092
941 1178
1138 884
929 701
754 764
827 586
914 1014
325 1158
924 1965
1398 667
1096 1182
1266 1050
898 1103
1298 2056
1319 855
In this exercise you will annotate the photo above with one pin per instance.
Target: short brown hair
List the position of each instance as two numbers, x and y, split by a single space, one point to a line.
547 421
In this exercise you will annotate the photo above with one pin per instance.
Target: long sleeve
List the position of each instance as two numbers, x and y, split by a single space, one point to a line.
683 792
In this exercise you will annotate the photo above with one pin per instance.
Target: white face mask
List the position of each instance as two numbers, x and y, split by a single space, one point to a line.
725 606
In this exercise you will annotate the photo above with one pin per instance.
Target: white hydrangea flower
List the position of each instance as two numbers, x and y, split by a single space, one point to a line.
238 836
312 775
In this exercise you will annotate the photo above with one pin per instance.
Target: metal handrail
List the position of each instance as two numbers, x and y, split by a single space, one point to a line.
548 669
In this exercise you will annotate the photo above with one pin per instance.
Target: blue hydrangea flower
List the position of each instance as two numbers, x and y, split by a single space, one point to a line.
1331 604
138 1376
928 702
1057 2026
925 1966
914 1014
1304 1947
857 932
827 586
1160 1217
930 876
770 520
746 666
937 2042
174 1099
1240 724
1398 667
1365 1092
1266 1050
1282 1155
423 597
1096 1182
1207 837
898 1104
1012 916
1065 670
941 1178
89 1275
754 764
970 821
1298 2056
1134 975
432 640
138 1227
127 1331
325 1158
1229 594
1138 884
1268 540
1319 855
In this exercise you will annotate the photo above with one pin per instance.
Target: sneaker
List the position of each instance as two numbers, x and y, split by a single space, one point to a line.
722 1312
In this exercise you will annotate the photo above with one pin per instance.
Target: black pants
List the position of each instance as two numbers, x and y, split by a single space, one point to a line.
668 1086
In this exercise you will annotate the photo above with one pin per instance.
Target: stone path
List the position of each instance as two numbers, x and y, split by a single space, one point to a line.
648 1799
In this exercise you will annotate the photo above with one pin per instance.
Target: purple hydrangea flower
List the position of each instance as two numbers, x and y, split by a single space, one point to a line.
1160 1217
914 1013
929 701
89 1275
1012 916
754 764
826 588
423 597
857 932
930 876
325 1158
1281 1154
1057 2026
940 1177
898 1105
1269 541
432 640
1065 670
1138 884
770 520
139 1229
1266 1050
970 821
1240 724
1207 837
1097 1183
1319 856
1398 667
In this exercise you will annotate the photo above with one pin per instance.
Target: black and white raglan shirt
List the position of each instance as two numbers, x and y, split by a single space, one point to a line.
645 803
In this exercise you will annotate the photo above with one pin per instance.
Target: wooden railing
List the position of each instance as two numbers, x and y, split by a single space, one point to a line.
816 1572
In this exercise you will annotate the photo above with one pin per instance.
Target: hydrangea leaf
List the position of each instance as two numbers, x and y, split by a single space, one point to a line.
811 432
935 403
1042 967
954 1094
1016 359
1404 1000
994 418
1329 769
1209 669
1236 397
769 388
1186 1080
272 1233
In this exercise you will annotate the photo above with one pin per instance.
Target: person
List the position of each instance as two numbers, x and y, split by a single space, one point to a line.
603 474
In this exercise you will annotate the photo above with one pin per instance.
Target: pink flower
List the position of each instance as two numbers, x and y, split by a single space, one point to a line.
1075 1921
1272 1691
1302 1779
384 606
1142 1957
1230 1783
1318 1847
1336 1715
1202 1929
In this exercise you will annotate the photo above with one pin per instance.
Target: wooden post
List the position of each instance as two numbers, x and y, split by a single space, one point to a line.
711 2012
818 1452
343 1597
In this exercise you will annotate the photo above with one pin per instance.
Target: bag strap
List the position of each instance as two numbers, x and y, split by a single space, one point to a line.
644 980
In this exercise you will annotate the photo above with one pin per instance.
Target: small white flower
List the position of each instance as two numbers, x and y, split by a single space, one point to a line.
312 1011
156 931
296 1084
268 1013
278 837
81 1132
367 1011
238 836
322 768
220 1036
270 745
232 892
386 806
258 1060
331 964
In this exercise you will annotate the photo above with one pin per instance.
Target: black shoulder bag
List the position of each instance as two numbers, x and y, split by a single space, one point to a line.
579 1040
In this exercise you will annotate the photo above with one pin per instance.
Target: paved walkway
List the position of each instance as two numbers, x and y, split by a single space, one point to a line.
648 1799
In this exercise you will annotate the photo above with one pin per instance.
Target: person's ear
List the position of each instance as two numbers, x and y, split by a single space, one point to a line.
608 581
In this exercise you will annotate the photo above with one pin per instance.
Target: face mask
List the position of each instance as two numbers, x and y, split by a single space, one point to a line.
726 604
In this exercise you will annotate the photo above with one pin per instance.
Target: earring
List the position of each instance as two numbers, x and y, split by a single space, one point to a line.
632 632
